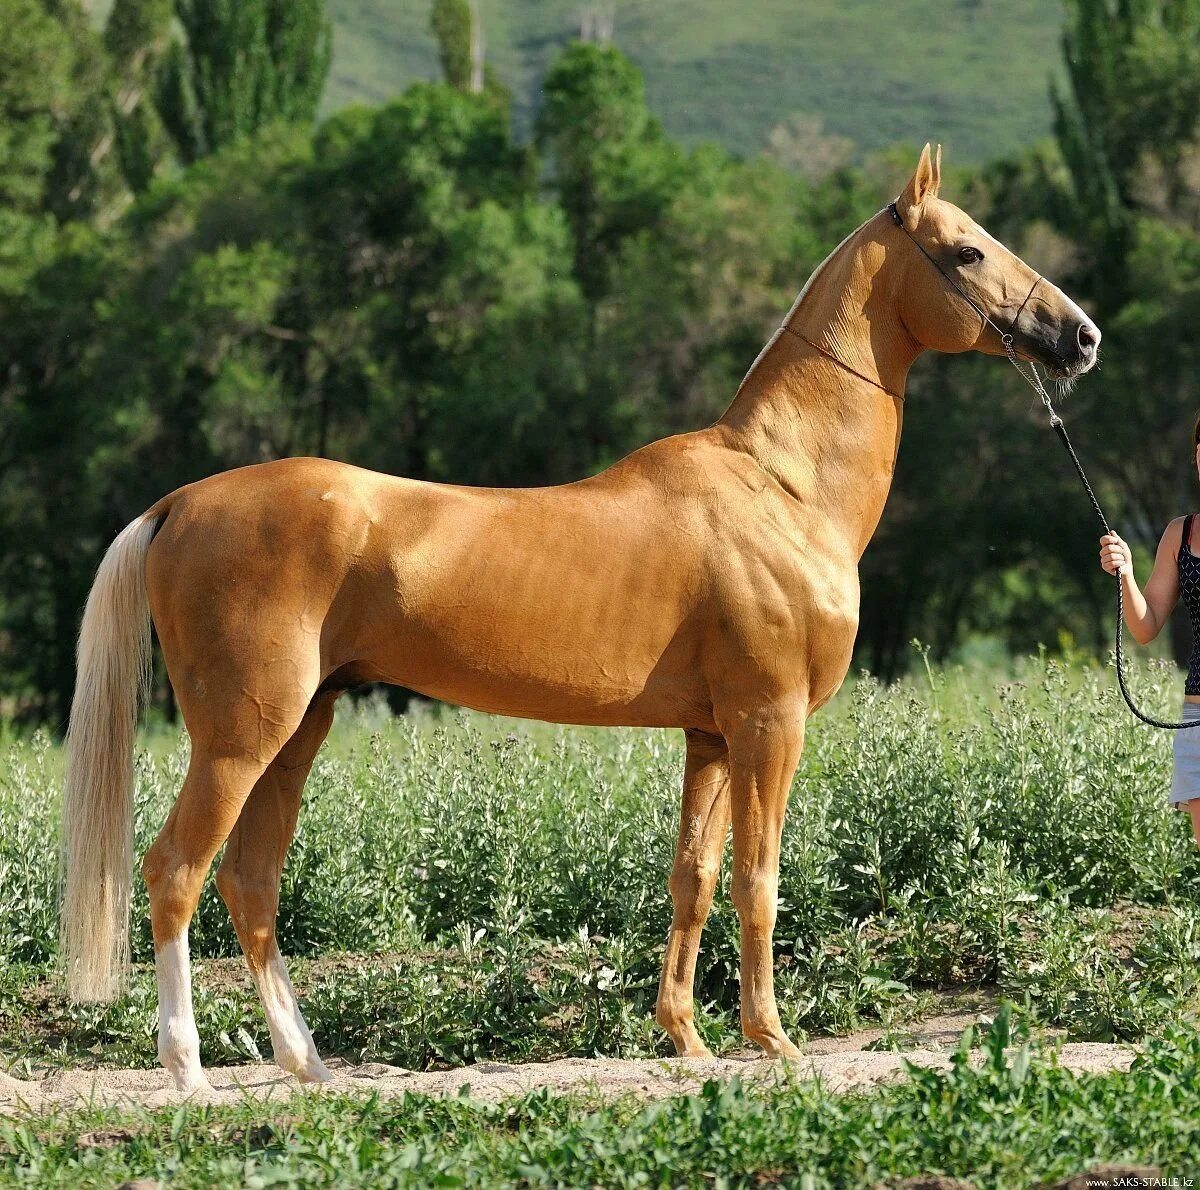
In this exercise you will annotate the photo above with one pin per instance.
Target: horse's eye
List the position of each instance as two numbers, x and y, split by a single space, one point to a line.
970 255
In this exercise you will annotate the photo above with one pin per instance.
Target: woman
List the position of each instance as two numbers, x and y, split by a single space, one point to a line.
1176 572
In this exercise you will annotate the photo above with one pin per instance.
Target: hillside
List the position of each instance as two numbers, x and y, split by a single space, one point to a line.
971 74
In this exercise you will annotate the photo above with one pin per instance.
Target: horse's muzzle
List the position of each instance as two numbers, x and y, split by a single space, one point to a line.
1065 346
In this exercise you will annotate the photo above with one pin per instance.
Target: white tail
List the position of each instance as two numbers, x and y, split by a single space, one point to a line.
97 812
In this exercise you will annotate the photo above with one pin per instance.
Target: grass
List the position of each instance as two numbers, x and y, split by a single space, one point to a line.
1015 1120
972 75
463 888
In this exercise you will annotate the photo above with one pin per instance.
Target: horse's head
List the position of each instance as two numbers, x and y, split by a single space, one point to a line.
961 289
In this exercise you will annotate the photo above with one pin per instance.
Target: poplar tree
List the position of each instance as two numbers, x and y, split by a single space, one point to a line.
1126 122
242 64
450 21
137 34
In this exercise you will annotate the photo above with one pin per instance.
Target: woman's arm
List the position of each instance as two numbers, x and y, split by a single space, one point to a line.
1145 614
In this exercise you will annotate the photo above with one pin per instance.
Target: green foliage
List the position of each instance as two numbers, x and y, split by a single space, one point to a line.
242 65
450 21
1121 188
413 288
54 486
55 129
477 854
1015 1119
458 891
612 166
398 290
136 35
135 28
35 64
1127 126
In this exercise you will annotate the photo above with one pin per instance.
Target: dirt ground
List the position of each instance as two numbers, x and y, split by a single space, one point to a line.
842 1063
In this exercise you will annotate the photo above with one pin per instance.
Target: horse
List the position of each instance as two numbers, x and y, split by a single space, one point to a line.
706 582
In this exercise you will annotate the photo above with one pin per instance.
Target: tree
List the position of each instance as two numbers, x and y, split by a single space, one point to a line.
137 35
1129 136
56 130
241 65
610 162
56 493
458 29
1125 124
35 72
448 313
451 22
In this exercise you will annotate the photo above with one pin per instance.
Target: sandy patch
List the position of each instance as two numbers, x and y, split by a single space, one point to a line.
842 1063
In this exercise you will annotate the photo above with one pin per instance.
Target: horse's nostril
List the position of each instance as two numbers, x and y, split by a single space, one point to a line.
1088 336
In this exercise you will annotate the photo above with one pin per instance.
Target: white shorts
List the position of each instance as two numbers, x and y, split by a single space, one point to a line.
1185 781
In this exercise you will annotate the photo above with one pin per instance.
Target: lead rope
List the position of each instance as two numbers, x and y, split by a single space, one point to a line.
1034 380
1056 424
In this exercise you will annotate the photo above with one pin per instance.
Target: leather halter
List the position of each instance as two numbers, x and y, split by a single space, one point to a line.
1006 337
1032 377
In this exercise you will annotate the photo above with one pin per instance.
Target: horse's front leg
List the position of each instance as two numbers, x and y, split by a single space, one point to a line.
703 825
764 750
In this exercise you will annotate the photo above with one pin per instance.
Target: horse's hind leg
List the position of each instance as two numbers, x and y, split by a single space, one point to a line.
229 755
175 867
249 878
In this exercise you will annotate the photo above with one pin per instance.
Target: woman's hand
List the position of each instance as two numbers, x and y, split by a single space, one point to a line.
1114 554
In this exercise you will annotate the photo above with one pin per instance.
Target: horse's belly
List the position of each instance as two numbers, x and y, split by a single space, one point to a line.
576 645
543 676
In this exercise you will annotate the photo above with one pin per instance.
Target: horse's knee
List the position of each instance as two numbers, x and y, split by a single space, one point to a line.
692 887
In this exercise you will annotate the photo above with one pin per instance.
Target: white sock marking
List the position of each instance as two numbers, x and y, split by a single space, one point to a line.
178 1040
290 1036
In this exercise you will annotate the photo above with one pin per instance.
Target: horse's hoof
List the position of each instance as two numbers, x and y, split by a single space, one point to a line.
191 1082
314 1072
778 1047
786 1051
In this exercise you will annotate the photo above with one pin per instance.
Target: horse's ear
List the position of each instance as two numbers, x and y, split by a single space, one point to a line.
922 185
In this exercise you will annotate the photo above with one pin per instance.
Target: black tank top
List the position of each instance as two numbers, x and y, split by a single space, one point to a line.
1189 592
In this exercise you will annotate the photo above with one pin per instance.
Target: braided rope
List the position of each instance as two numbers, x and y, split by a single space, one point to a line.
1061 431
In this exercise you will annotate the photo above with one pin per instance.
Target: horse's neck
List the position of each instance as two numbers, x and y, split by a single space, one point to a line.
825 431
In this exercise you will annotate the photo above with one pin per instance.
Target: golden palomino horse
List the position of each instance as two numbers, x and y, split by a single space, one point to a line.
708 582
